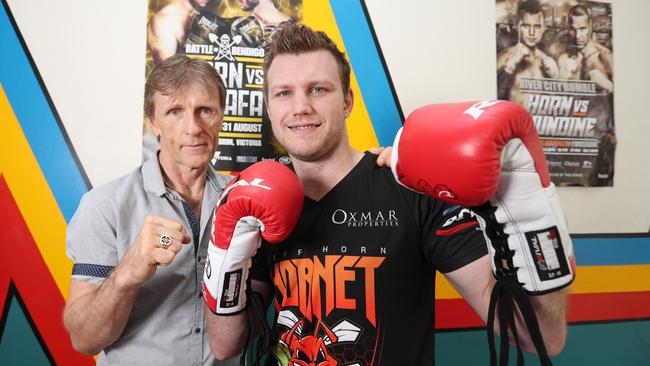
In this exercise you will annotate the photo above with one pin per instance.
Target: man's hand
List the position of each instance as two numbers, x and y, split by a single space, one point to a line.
518 55
95 315
384 155
549 66
148 251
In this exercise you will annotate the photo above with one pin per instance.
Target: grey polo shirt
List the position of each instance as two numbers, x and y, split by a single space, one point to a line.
166 325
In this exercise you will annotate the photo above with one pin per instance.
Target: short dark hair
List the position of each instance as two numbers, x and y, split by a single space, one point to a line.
577 11
177 71
531 7
295 38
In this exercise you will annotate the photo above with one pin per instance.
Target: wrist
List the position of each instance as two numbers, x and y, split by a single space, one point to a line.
124 280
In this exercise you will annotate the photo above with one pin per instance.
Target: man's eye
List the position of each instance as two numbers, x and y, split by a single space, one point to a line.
317 89
206 110
284 93
174 111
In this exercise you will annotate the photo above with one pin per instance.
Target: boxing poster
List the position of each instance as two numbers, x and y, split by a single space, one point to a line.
232 35
555 58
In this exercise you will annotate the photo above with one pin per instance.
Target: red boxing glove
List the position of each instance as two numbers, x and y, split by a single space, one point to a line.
264 200
469 153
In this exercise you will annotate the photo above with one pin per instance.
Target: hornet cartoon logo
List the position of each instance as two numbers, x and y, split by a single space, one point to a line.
296 349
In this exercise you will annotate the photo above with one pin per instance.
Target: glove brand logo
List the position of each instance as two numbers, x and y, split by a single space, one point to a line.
442 191
257 182
365 219
548 253
477 109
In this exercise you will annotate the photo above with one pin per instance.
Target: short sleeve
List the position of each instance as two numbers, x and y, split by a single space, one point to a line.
452 237
91 241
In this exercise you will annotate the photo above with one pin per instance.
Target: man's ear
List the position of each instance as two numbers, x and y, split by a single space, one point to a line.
348 102
154 128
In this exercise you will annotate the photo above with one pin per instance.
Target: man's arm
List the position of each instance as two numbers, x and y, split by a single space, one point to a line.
95 315
475 282
227 334
269 208
549 66
506 65
599 68
163 34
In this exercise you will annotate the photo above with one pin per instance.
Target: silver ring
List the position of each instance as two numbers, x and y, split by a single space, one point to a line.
165 241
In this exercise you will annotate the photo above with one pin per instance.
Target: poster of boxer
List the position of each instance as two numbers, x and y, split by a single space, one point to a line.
231 35
555 58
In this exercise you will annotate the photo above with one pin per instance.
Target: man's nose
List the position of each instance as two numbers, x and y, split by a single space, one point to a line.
301 104
192 124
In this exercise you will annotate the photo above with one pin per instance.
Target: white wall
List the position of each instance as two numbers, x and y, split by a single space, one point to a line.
91 57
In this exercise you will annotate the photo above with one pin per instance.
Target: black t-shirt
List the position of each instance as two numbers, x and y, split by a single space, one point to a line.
355 281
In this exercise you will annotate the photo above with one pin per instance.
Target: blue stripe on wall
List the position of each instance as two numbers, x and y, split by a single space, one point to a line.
368 69
612 251
37 119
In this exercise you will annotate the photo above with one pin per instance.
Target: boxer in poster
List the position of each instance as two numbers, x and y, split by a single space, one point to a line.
555 59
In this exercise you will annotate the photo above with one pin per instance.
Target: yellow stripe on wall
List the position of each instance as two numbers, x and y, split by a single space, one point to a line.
318 15
589 279
33 196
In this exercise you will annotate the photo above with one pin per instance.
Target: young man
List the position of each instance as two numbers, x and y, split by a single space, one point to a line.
586 59
139 243
354 282
525 59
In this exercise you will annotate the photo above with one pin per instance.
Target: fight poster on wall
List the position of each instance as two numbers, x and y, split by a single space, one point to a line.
232 36
554 57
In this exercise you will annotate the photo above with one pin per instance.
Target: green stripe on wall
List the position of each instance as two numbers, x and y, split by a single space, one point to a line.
19 345
621 343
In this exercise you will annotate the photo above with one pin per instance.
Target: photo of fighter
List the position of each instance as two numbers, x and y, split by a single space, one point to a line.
170 26
585 58
257 27
525 58
555 59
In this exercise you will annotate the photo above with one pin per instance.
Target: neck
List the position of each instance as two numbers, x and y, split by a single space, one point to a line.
319 177
267 14
186 181
589 48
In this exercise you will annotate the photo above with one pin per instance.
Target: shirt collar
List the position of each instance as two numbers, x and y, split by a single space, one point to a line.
152 176
154 183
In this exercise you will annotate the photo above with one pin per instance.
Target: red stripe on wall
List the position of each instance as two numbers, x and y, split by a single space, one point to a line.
21 261
456 313
609 306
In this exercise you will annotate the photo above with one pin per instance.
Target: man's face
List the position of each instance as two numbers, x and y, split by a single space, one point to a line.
200 4
531 29
580 30
248 5
307 105
187 124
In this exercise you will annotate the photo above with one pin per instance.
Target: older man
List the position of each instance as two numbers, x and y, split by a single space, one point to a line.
139 243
